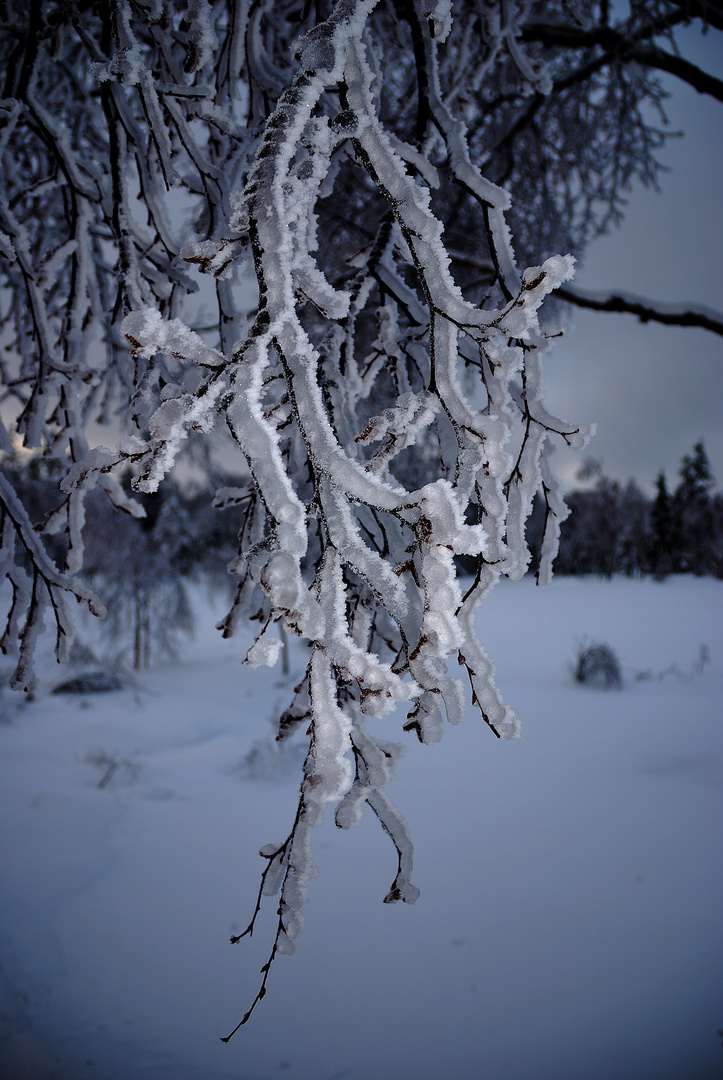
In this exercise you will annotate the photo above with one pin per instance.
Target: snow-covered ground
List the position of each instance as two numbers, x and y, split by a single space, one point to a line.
569 926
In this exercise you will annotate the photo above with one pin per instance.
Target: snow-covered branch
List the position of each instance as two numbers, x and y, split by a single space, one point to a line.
34 590
695 315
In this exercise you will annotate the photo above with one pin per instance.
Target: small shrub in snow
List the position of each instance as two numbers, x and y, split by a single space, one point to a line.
598 666
696 668
90 682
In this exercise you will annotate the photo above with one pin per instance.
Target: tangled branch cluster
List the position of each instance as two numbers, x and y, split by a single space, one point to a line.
384 386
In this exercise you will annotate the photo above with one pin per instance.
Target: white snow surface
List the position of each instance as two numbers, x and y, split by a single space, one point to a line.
569 925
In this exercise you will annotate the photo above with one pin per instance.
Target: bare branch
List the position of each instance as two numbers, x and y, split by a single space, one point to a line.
695 315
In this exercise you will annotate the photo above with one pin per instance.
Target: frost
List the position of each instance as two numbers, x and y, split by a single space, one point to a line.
281 580
201 41
49 589
520 319
170 426
149 333
439 15
264 652
6 247
131 445
329 771
86 471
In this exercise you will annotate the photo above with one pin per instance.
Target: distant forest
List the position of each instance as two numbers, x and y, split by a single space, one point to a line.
141 567
614 529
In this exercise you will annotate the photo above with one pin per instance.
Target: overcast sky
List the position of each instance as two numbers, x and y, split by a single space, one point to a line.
654 391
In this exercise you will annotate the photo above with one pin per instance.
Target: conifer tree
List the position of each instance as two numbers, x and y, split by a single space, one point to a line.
693 513
662 537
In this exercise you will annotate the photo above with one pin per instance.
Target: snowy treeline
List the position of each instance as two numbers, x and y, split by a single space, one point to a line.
615 529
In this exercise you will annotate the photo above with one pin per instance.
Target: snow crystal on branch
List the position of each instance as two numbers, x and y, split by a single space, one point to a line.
149 333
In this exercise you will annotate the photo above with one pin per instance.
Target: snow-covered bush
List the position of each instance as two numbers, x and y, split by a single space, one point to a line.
598 666
95 681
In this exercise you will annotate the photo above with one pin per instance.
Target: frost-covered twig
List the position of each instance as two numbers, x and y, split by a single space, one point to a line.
34 591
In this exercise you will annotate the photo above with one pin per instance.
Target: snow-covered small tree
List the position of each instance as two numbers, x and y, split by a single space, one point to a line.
382 385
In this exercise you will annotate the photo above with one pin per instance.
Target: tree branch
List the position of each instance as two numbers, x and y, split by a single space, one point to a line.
700 80
646 310
710 12
618 46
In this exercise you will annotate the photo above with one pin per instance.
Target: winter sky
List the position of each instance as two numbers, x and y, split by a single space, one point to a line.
652 390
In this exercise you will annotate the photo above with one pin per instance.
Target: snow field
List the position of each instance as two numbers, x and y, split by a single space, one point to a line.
569 919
